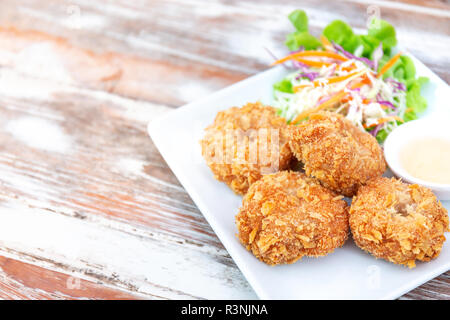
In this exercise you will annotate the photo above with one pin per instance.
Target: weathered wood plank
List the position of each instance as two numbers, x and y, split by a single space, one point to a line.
82 157
438 288
229 37
139 264
20 280
153 80
124 182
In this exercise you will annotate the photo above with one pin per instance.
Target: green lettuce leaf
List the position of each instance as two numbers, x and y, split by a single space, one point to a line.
299 19
369 43
301 37
341 33
414 100
405 71
383 31
382 135
305 39
284 86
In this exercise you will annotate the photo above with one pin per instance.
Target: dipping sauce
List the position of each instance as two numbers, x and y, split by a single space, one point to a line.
427 159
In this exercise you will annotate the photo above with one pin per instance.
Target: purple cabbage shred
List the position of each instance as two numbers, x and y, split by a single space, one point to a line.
387 103
375 131
397 85
310 75
351 56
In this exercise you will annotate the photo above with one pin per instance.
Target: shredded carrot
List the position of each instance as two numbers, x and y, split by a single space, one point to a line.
312 63
317 83
322 54
341 78
366 80
334 99
358 85
383 120
365 101
301 86
326 54
346 99
326 43
388 65
347 68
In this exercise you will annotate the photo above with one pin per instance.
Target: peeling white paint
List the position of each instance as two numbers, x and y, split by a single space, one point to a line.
39 133
135 168
82 20
13 84
41 59
24 183
111 9
190 91
131 166
143 264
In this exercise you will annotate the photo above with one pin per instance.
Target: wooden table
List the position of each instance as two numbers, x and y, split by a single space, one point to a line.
88 208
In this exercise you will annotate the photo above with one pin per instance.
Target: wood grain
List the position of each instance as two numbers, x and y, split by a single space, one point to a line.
80 181
26 281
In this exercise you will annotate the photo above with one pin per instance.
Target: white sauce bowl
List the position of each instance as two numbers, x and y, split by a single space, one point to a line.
406 133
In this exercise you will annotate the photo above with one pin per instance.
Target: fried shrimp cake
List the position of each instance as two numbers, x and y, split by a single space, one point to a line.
398 222
244 143
286 215
336 152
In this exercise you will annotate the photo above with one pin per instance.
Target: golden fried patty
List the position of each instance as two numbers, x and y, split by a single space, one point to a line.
286 215
398 222
336 152
244 143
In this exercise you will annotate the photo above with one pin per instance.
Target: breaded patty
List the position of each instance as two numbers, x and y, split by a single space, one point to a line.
336 152
286 215
244 143
398 222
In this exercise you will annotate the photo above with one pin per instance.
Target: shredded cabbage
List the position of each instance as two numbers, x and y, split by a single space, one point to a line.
379 105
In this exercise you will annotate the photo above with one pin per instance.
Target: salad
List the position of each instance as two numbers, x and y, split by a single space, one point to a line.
355 75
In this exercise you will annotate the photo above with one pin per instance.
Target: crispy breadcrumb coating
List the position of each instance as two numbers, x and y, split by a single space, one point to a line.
244 143
286 215
398 222
336 152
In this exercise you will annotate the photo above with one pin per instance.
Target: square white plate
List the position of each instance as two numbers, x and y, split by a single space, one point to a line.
348 273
